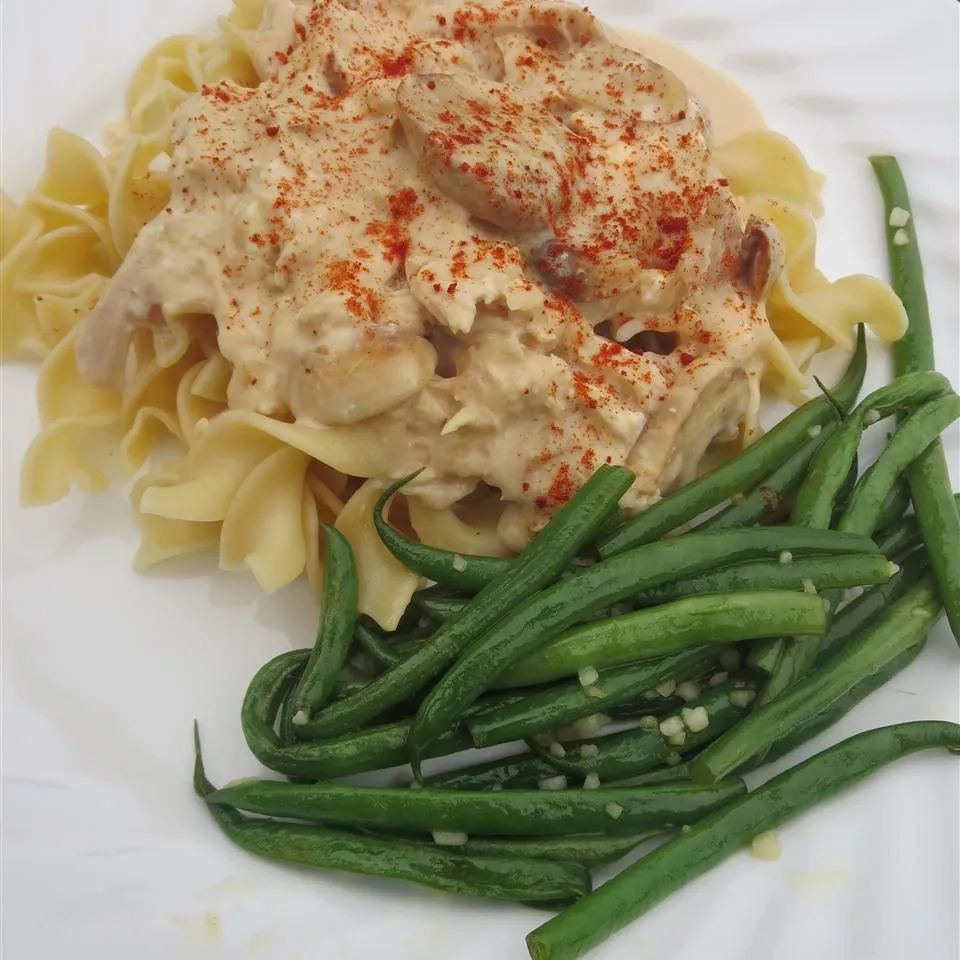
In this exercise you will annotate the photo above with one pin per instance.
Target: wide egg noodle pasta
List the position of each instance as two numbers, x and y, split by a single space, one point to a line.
194 404
773 181
164 539
386 585
766 164
805 303
263 527
254 488
20 332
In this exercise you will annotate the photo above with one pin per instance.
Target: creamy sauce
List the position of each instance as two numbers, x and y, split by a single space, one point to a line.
731 109
486 229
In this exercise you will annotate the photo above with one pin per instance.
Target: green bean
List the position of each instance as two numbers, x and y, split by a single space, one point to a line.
651 879
819 493
506 813
825 571
460 571
766 501
741 473
928 476
900 537
373 640
865 609
619 756
540 563
838 710
386 650
509 875
904 625
765 654
846 488
939 520
840 571
592 850
440 608
894 506
670 774
799 653
648 704
913 436
669 628
568 702
594 588
372 749
335 633
914 351
516 771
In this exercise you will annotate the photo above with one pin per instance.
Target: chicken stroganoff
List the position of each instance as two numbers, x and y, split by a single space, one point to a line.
486 228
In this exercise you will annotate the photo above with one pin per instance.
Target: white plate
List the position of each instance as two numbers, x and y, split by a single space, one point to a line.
106 852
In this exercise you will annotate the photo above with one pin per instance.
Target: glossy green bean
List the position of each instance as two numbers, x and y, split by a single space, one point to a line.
338 617
901 537
819 492
865 609
922 428
529 626
673 773
765 655
566 703
903 626
819 495
375 748
928 476
539 564
522 770
592 850
506 813
670 628
440 608
824 571
620 756
461 571
894 506
840 708
508 875
767 500
914 351
744 471
651 879
373 641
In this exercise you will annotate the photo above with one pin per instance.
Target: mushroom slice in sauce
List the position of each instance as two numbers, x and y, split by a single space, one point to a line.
507 160
618 80
761 257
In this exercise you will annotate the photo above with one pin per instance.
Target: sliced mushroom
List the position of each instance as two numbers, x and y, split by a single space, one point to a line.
584 274
619 80
551 24
761 257
507 160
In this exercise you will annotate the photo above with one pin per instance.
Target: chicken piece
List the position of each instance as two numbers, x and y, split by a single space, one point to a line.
672 446
507 160
356 384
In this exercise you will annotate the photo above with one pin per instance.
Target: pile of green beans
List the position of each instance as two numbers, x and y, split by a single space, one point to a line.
928 476
640 672
652 879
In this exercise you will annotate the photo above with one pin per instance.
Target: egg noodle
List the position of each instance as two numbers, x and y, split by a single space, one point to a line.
253 486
